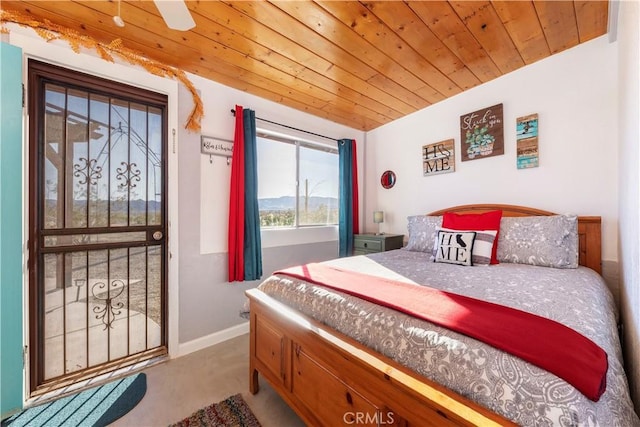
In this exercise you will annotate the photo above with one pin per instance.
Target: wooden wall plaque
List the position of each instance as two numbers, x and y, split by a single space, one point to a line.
438 158
482 133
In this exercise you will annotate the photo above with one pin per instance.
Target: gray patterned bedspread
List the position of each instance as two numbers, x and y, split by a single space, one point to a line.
506 384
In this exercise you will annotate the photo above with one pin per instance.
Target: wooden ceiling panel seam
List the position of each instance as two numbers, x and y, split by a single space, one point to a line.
241 75
553 15
443 21
485 26
358 98
273 18
592 17
290 97
523 26
313 77
339 114
264 91
359 63
99 34
410 28
274 59
328 27
249 64
388 93
372 29
417 102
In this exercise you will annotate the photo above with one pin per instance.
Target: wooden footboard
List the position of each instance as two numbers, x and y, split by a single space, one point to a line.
330 379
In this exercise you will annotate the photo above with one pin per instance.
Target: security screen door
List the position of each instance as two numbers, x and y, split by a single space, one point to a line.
97 226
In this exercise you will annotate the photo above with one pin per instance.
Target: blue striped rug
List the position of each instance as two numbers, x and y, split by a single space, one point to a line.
97 406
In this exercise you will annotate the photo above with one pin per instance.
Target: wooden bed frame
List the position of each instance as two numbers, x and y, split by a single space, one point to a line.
330 379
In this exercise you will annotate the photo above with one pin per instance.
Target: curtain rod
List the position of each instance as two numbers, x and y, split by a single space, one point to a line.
290 127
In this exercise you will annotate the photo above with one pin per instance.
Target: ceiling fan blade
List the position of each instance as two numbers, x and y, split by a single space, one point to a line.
176 14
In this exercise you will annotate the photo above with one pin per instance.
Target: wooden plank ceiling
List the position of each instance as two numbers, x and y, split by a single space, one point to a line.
362 64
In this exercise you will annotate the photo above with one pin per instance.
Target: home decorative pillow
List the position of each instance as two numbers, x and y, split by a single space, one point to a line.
482 246
476 222
549 241
423 231
455 247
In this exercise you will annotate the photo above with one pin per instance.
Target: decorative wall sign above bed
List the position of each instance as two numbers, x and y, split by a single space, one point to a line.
481 133
438 158
527 141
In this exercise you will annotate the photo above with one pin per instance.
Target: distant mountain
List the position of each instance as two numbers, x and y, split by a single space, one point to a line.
289 202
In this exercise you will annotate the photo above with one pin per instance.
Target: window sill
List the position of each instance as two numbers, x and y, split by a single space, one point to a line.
272 237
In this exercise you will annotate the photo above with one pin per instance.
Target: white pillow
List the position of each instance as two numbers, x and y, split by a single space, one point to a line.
482 245
455 247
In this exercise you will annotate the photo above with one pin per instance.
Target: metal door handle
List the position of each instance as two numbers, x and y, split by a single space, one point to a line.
157 235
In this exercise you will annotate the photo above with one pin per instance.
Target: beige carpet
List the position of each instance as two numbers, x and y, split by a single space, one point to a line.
182 386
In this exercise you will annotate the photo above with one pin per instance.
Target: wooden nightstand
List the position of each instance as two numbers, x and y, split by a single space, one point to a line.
371 243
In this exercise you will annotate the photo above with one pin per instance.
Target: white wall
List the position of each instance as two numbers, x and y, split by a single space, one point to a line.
629 177
575 96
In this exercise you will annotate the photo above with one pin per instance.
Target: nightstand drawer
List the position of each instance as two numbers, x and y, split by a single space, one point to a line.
364 244
367 244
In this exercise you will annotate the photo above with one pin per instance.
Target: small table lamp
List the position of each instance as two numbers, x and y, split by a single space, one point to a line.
378 218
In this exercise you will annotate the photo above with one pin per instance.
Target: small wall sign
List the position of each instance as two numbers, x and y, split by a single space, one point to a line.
481 133
527 141
216 146
438 158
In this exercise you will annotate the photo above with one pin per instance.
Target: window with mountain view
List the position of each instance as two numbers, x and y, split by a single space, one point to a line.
297 183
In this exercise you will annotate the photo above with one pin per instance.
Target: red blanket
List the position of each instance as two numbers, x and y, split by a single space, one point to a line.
538 340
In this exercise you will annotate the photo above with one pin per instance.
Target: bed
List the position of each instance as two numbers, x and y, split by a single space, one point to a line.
337 359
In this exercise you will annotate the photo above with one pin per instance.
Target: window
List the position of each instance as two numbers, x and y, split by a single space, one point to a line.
297 182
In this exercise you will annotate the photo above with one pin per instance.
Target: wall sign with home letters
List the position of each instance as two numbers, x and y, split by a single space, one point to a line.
438 158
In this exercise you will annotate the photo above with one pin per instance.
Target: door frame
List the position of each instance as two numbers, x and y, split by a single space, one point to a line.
59 54
39 71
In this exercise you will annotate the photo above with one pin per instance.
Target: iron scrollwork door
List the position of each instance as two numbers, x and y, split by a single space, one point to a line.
97 206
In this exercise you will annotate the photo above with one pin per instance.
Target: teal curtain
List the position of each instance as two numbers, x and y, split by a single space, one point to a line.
348 193
252 242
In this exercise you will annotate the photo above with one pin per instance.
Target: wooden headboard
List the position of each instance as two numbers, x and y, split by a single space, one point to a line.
589 233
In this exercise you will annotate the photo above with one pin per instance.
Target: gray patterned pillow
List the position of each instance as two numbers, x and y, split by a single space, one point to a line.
548 241
423 230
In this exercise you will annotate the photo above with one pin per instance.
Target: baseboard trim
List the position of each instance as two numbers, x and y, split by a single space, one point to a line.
212 339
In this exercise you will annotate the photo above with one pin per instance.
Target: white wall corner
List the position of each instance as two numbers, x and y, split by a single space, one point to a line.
212 339
612 25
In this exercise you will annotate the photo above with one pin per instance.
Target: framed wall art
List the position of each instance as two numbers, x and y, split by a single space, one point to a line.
527 141
438 158
482 133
